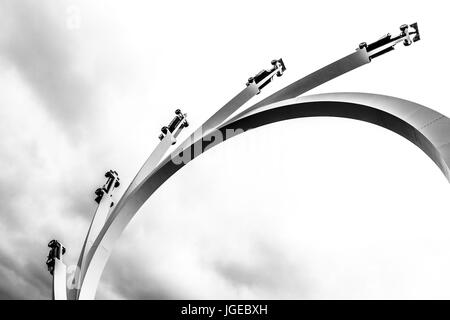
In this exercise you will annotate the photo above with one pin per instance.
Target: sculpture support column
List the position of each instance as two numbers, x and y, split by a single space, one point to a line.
57 269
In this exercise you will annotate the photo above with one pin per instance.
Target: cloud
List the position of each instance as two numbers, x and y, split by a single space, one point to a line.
270 270
44 51
50 167
122 279
75 103
37 197
23 278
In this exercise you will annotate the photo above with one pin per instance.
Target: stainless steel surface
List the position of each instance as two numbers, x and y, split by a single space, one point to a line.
57 269
59 281
426 128
357 59
279 106
364 54
90 275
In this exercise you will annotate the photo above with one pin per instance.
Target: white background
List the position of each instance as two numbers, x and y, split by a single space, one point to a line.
307 208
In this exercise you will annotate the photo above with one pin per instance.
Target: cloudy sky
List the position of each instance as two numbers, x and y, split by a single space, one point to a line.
336 209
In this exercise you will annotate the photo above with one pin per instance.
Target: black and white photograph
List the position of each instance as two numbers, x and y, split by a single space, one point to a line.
236 151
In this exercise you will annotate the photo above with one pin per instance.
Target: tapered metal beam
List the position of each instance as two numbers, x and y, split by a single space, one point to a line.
134 199
426 128
57 269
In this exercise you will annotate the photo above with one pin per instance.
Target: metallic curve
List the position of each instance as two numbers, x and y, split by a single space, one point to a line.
426 128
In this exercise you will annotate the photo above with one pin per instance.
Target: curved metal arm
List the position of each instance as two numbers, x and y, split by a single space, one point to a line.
426 128
133 200
363 55
168 138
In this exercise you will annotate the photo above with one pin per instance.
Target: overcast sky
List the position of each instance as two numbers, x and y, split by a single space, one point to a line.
307 208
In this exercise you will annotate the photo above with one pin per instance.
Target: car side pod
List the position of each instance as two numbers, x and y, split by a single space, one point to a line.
178 123
112 182
264 77
387 42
